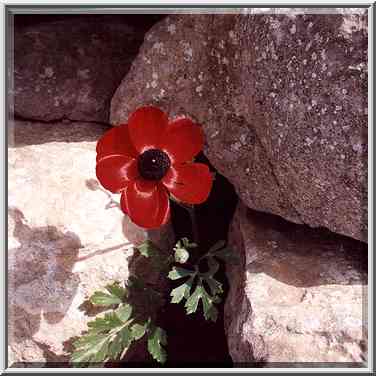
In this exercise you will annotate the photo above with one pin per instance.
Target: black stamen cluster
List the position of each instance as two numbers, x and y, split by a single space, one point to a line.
153 164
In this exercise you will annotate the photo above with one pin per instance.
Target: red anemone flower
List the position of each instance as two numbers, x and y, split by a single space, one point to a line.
150 158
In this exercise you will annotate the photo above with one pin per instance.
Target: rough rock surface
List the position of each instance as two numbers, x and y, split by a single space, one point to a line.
283 102
298 296
71 68
66 238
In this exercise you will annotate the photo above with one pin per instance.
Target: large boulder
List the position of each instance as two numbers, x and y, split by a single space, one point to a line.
282 99
298 296
70 68
67 238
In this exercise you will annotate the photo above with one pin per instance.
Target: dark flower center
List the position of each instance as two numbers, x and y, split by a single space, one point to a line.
153 164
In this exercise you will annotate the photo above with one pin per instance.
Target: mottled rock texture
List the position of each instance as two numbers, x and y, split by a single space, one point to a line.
282 100
70 68
66 238
299 295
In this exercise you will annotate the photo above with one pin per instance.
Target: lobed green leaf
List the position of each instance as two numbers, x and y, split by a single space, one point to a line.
214 285
138 330
106 323
192 302
103 299
157 339
182 291
177 273
210 311
124 312
116 290
147 248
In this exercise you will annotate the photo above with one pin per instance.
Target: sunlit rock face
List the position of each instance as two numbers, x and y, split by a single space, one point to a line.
282 99
298 297
67 238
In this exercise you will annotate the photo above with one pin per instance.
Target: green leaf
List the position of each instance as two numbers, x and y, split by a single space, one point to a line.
111 334
192 302
147 248
210 311
181 255
182 291
116 347
214 285
101 354
79 357
108 322
89 352
157 339
116 290
89 340
124 312
103 299
138 330
177 273
126 337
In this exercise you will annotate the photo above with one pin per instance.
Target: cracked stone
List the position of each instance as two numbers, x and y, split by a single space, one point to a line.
67 238
310 185
301 304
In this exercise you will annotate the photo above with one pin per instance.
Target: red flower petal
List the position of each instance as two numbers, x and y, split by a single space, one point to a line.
115 171
116 141
190 183
146 202
146 126
182 141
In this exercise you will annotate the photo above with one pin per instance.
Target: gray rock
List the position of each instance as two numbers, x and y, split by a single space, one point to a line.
71 68
67 238
299 295
283 102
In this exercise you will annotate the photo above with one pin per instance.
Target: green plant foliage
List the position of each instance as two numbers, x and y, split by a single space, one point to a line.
207 288
177 273
117 290
182 250
157 339
110 335
102 299
115 294
148 248
158 258
183 291
127 320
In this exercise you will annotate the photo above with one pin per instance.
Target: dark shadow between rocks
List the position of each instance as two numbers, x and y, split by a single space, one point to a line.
193 341
289 247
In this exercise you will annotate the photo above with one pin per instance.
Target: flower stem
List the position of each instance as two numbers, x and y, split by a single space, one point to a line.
192 214
195 233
